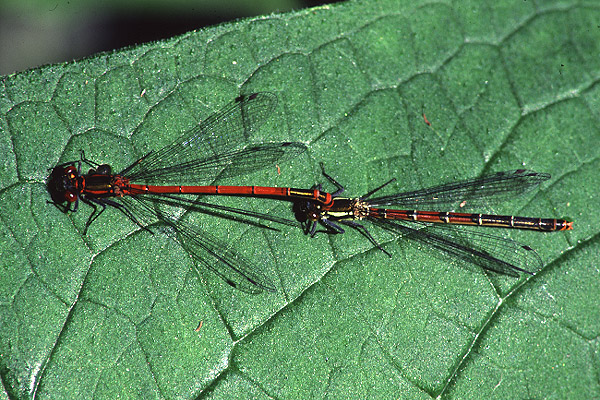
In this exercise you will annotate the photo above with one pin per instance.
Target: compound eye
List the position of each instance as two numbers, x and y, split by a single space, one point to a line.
71 172
70 197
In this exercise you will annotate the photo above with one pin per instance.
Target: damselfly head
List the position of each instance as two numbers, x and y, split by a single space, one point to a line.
62 184
307 211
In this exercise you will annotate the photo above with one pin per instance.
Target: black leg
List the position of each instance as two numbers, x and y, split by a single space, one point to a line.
95 214
87 161
330 228
64 208
340 188
363 231
377 189
108 202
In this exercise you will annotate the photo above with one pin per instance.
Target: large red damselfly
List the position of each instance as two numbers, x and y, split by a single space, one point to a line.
437 227
212 149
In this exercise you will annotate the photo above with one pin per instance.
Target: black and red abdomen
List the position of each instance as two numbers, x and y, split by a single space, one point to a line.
102 185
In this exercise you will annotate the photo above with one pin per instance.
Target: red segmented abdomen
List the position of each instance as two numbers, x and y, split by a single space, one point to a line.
505 221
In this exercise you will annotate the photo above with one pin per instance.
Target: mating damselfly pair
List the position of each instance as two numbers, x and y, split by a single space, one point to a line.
216 148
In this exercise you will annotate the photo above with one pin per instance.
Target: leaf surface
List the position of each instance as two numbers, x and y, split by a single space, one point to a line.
116 312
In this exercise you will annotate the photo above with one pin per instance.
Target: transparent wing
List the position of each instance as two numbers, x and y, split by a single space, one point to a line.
469 193
212 148
201 245
491 252
224 165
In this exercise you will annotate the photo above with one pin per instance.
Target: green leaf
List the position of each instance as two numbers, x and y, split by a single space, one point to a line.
114 313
